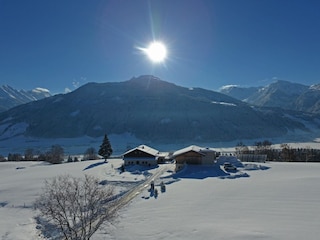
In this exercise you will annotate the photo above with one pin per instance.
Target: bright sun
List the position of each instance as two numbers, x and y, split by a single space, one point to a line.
156 52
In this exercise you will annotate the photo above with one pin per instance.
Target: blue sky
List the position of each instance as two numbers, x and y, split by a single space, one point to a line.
63 44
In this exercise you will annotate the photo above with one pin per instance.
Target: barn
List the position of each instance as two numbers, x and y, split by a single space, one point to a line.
194 155
141 155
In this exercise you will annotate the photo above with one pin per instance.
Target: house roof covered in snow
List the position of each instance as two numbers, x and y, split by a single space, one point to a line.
193 148
144 148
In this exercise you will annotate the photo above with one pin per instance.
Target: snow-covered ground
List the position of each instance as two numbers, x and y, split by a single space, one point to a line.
21 183
281 202
268 201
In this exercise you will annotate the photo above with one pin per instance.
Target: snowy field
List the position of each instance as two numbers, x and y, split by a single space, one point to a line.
268 201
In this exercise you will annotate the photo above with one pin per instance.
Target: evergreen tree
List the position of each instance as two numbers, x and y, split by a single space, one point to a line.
105 149
70 159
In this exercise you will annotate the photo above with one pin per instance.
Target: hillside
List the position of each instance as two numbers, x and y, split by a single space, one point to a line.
151 110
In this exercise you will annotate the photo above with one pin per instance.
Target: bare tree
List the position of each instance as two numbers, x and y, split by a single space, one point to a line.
241 148
263 147
55 155
76 206
286 152
29 154
90 154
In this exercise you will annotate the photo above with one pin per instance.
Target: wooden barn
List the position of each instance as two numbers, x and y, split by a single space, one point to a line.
141 155
194 155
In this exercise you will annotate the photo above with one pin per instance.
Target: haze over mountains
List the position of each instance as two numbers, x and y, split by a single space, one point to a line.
159 112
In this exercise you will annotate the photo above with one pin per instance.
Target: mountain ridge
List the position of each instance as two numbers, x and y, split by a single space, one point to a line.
150 109
283 94
10 97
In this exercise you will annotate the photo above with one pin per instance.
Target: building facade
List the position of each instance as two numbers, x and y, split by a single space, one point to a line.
194 155
141 155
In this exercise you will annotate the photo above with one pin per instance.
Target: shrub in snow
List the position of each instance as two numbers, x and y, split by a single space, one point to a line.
69 159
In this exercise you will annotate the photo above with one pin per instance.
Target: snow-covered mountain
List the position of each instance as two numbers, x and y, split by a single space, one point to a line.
238 92
10 97
149 109
283 94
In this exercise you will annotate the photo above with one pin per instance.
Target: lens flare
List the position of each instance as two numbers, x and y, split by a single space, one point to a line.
156 52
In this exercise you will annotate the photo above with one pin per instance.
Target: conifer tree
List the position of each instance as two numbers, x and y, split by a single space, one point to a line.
105 149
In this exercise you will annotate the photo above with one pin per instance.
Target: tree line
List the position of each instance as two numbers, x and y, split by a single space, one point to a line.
285 153
56 154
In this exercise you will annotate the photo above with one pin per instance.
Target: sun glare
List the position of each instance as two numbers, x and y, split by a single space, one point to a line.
156 52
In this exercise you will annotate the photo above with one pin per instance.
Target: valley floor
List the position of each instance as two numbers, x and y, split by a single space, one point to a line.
276 201
281 202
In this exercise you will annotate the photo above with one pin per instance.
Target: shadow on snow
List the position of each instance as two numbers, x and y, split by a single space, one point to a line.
139 169
216 171
94 165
